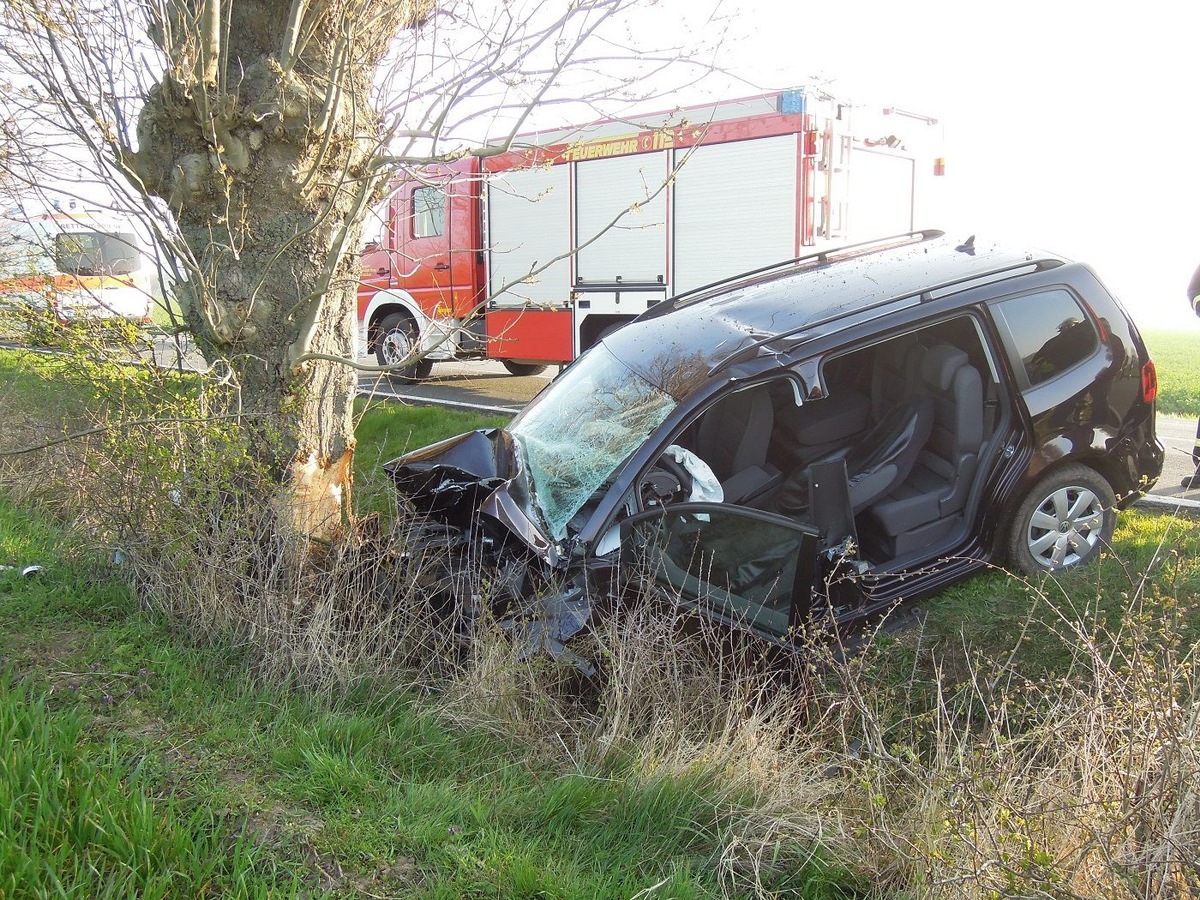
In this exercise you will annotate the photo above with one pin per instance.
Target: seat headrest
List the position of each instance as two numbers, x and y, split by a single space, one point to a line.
940 364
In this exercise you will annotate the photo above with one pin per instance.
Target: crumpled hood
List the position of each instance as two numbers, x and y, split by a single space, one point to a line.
443 476
462 478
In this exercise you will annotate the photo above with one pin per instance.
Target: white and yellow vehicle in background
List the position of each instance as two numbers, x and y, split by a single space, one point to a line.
77 263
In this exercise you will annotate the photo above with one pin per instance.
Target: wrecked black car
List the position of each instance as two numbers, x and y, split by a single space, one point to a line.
819 441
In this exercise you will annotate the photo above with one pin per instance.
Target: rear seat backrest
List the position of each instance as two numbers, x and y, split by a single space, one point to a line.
896 375
875 464
925 507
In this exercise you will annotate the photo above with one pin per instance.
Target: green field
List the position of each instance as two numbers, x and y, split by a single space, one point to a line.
166 769
1177 358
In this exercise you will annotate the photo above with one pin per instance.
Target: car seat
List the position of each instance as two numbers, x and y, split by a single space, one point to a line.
930 501
733 439
875 464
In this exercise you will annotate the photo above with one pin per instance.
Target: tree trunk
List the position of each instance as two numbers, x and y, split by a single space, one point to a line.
260 137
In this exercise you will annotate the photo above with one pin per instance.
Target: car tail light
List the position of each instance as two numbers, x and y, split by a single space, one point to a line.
1149 381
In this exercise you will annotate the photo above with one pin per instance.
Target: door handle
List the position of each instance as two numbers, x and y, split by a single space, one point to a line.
441 267
382 270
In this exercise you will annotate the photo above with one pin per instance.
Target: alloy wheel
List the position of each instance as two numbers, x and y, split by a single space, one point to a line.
1065 526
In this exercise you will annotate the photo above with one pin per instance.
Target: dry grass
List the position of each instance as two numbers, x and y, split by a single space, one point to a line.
1080 785
1085 783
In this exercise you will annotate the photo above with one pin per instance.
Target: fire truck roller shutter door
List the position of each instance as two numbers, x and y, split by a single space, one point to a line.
621 219
529 224
735 208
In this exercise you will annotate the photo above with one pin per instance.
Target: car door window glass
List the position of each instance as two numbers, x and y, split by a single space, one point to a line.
732 563
1050 332
376 225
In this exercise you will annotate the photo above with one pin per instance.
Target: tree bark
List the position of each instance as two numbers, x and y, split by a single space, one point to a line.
260 137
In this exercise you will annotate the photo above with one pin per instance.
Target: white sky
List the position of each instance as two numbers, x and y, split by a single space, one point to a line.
1067 125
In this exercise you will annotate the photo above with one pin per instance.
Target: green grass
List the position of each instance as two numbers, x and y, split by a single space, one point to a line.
1177 359
170 769
81 819
998 631
387 429
163 769
384 430
28 380
69 387
80 814
165 312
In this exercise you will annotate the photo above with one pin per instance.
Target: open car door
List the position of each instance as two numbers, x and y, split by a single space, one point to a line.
742 566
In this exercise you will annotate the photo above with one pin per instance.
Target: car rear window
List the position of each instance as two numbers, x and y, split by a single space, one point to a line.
1050 332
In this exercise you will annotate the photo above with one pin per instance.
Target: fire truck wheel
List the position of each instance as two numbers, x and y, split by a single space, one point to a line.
516 368
397 337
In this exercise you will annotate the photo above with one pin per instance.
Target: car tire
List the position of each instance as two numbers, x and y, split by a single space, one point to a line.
516 368
396 340
1064 521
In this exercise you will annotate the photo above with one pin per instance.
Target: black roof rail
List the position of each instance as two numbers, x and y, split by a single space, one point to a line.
817 258
924 295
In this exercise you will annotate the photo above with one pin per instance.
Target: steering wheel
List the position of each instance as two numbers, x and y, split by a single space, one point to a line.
668 481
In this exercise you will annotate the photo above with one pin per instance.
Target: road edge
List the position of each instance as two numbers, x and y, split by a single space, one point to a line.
1169 504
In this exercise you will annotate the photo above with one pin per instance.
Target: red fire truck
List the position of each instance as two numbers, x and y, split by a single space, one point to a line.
529 256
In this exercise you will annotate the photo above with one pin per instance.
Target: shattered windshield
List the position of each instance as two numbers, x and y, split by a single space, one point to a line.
581 429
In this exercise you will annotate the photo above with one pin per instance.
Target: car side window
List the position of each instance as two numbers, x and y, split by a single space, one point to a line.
429 212
1050 332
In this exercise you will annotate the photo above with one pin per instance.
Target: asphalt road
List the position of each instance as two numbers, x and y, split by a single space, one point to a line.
482 386
1177 436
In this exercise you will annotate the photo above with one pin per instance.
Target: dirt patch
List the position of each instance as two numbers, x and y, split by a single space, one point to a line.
291 832
50 654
